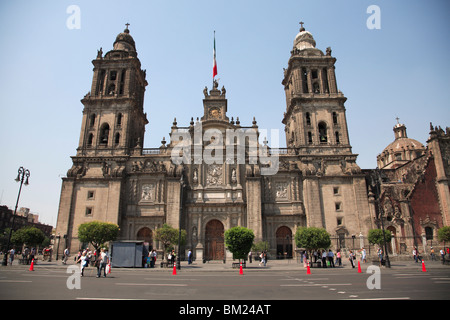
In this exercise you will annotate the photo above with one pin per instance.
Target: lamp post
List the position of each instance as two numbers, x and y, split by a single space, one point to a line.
22 175
378 173
57 248
182 184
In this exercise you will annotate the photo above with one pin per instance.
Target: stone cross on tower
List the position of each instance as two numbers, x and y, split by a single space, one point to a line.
302 23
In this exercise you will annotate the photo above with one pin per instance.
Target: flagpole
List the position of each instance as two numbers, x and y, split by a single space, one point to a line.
214 61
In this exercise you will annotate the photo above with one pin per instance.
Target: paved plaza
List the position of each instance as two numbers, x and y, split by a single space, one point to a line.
279 280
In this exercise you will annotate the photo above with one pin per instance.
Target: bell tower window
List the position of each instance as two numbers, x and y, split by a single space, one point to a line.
310 137
92 120
112 89
90 139
335 118
117 139
308 119
104 133
122 81
305 80
323 138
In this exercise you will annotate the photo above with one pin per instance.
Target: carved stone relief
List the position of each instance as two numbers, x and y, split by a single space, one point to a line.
281 190
214 175
148 192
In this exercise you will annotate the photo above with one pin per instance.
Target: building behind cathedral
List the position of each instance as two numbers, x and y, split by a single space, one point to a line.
317 181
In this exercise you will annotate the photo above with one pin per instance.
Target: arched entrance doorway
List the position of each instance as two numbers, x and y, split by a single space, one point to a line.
214 240
284 242
146 235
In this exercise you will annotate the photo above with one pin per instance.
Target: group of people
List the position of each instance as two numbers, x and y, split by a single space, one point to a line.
101 261
27 255
331 259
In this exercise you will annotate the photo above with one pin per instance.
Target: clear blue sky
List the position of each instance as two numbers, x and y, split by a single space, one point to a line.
399 70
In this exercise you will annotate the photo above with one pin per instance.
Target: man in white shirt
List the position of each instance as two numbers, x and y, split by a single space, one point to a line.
104 260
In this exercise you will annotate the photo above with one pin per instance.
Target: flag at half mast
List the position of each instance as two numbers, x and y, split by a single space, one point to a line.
214 61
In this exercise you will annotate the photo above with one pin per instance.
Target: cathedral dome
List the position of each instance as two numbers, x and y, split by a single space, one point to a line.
124 41
401 150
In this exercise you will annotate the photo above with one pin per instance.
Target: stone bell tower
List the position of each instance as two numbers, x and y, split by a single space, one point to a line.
315 113
333 186
113 117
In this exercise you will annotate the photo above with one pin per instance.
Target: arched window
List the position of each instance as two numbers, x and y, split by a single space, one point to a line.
90 139
429 233
308 119
323 138
335 118
112 89
337 137
119 119
92 120
310 137
104 134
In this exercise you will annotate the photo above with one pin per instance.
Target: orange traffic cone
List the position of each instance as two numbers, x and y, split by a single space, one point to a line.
240 269
359 268
308 270
423 267
174 272
32 265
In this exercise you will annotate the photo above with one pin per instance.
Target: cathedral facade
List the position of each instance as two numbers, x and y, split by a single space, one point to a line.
214 174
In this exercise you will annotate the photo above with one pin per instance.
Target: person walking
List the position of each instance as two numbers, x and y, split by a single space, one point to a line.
32 254
433 257
338 258
11 256
83 261
415 254
351 257
103 262
190 257
330 256
442 252
380 256
152 258
65 256
324 259
363 255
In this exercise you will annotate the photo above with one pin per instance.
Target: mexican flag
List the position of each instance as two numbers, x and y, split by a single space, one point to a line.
214 61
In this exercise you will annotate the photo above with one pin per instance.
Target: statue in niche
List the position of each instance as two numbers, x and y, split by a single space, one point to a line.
233 176
195 176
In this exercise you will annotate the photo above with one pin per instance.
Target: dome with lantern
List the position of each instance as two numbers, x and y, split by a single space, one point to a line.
401 150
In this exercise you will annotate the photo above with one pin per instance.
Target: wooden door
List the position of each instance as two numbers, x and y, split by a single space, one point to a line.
214 241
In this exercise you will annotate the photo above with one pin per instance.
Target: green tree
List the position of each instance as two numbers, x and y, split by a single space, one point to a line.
31 236
169 237
312 239
376 236
98 233
444 234
239 241
261 246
